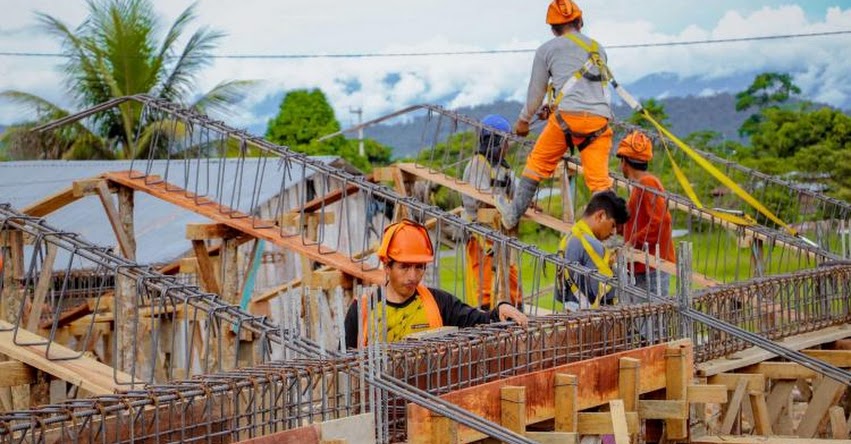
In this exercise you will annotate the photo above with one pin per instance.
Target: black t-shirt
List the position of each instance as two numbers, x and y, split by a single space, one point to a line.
453 312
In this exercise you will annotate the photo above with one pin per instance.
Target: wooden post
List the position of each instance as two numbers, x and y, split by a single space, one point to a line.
230 289
619 425
12 298
566 414
825 395
629 382
126 207
734 406
762 423
677 381
42 287
118 224
513 408
444 430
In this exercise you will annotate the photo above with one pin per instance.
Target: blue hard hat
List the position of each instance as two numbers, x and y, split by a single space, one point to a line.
498 122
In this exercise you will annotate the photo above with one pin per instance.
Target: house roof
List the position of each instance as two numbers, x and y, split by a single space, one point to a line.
159 226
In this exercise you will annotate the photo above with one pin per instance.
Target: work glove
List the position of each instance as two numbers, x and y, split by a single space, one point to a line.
521 128
544 113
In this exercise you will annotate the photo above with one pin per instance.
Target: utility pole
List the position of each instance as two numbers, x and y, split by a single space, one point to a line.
359 112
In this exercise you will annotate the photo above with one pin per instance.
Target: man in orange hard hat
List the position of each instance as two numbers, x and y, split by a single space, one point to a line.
572 68
411 307
649 226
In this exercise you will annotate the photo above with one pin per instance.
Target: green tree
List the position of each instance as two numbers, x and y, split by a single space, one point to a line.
768 90
115 52
656 110
305 116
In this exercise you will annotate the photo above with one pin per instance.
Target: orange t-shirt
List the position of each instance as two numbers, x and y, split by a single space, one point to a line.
649 221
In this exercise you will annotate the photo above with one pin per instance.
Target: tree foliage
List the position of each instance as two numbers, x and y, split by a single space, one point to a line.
116 52
305 116
768 90
656 110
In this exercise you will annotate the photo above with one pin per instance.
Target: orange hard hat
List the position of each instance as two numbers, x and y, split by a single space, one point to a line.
406 241
562 11
636 146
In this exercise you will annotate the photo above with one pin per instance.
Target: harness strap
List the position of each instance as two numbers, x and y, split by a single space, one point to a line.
587 138
581 230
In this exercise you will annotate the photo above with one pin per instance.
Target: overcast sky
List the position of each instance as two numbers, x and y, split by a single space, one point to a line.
381 85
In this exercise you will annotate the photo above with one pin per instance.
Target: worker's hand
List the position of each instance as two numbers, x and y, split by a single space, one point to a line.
508 312
521 128
544 113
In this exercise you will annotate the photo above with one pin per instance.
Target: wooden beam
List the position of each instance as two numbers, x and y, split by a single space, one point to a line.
86 373
14 373
755 381
825 395
206 271
51 203
839 358
600 423
513 408
122 236
755 355
244 223
734 406
762 423
781 370
484 400
210 231
619 422
678 373
838 426
727 439
661 409
565 403
628 378
332 197
705 393
42 287
553 437
778 399
546 220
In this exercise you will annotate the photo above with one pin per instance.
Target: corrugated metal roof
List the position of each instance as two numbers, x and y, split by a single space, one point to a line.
160 226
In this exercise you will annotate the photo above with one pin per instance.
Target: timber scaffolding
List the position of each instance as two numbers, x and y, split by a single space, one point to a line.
312 382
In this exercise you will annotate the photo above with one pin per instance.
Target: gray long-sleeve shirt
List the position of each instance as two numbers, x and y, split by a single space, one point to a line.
558 59
486 178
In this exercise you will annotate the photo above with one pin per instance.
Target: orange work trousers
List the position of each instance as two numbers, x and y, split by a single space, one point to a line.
479 279
551 146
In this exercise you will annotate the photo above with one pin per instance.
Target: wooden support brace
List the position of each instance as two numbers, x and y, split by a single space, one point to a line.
566 412
677 379
619 426
210 231
838 425
206 271
600 423
513 408
755 381
825 395
706 393
777 400
125 241
41 289
734 406
762 422
660 409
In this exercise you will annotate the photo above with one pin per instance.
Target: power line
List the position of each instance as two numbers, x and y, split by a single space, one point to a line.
457 53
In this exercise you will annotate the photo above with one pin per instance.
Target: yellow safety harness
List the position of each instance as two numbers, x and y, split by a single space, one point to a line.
594 60
583 232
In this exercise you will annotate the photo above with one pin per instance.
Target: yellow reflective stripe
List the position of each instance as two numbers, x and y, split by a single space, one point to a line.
579 42
581 230
718 175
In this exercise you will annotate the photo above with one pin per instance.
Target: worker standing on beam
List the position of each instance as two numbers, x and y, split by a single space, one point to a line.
572 68
649 226
411 307
584 246
490 173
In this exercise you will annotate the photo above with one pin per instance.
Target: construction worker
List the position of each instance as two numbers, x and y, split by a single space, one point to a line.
490 173
411 307
604 212
571 67
649 226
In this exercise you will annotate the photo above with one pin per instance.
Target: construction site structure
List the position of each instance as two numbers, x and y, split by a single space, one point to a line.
105 348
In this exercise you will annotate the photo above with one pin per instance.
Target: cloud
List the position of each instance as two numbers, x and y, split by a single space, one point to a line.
383 85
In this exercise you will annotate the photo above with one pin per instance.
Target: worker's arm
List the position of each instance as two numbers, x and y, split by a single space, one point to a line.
352 325
458 314
655 208
537 86
478 174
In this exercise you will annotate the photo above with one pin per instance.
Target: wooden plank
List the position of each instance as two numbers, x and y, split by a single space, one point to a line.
565 403
209 231
600 423
619 426
115 221
484 400
84 372
513 408
762 423
553 437
332 197
678 374
825 395
706 393
245 224
206 272
546 220
433 333
727 439
41 288
778 399
14 373
357 429
292 219
755 355
781 370
755 381
628 378
51 203
734 406
839 358
87 187
661 409
838 426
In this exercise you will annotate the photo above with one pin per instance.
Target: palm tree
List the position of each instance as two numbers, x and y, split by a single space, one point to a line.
115 53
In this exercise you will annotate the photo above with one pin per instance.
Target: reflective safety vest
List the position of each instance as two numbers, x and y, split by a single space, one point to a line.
594 59
419 315
582 231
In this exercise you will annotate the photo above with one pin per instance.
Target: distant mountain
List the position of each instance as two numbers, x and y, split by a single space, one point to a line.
685 116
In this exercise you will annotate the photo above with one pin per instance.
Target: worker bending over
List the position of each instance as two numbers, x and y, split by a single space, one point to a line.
584 245
405 251
489 172
572 66
649 226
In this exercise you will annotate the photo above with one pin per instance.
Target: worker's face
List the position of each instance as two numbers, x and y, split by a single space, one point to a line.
624 167
603 225
404 277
